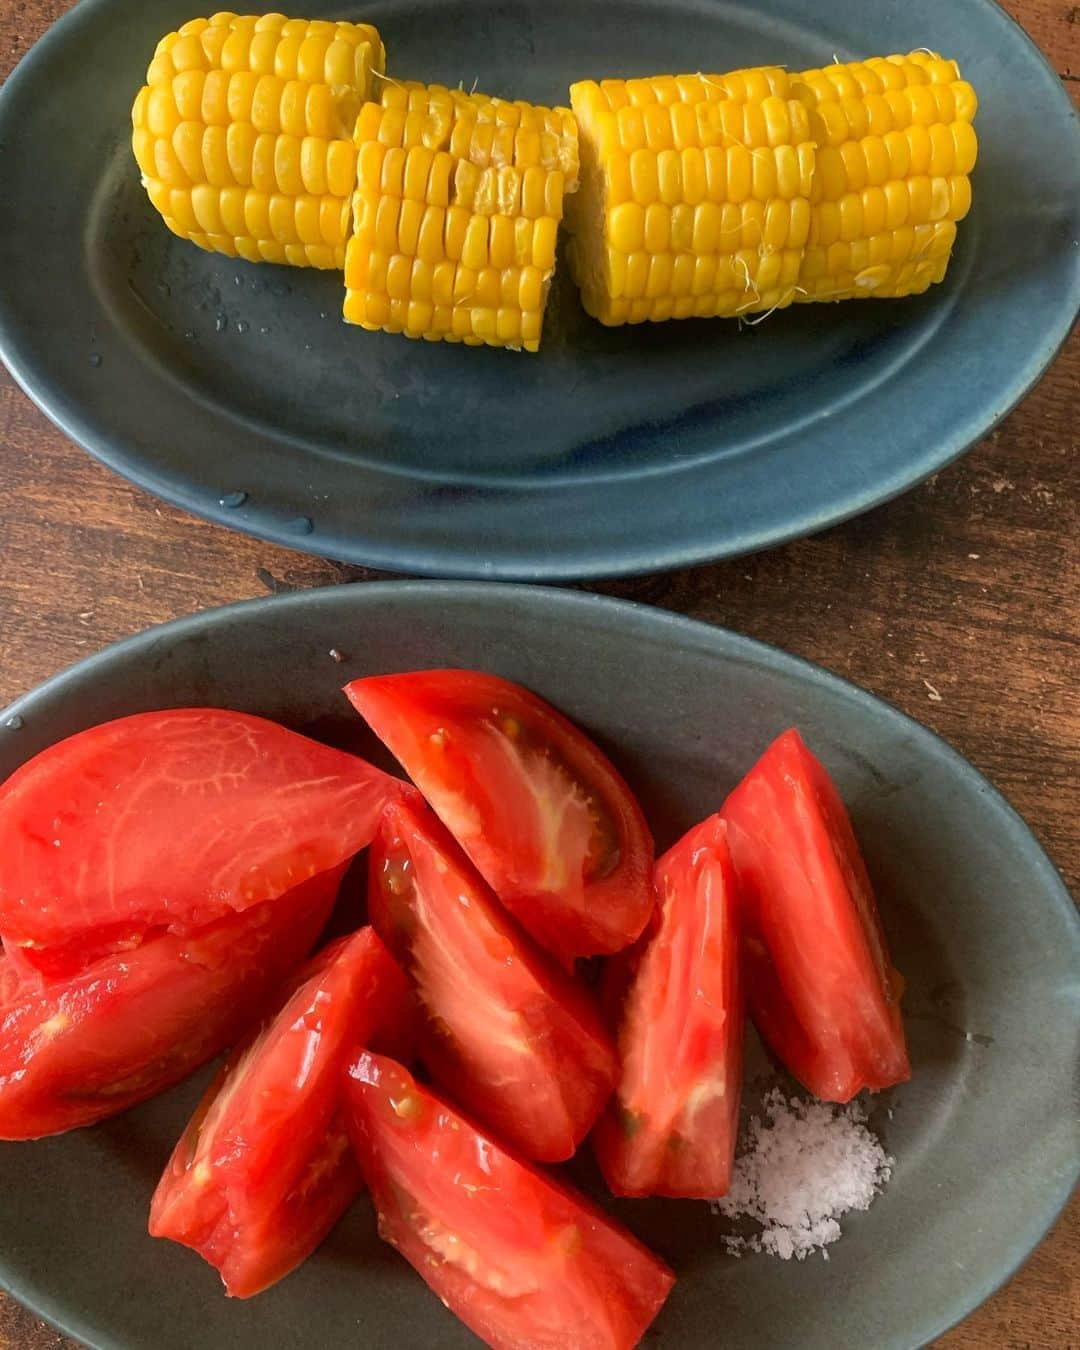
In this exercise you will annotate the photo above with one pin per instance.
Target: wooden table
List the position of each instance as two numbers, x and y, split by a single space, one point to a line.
959 603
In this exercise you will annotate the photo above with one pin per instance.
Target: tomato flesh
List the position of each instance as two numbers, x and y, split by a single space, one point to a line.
521 1259
517 1040
540 811
133 1024
820 985
672 1127
264 1169
168 821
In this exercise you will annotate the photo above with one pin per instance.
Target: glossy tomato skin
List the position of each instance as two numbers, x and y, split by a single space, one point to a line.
525 1262
820 985
517 1040
168 821
131 1025
264 1169
541 812
672 1125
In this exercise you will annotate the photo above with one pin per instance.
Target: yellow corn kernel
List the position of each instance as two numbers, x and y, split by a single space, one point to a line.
959 196
660 272
617 174
334 216
874 211
752 224
474 253
716 173
501 241
313 165
682 227
763 175
488 289
442 284
399 277
656 232
439 178
262 162
287 174
739 173
669 175
306 219
429 242
545 237
187 54
626 226
457 224
410 217
466 181
643 176
418 164
484 199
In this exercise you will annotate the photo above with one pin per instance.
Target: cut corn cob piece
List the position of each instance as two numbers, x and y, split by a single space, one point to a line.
243 133
457 209
742 193
895 148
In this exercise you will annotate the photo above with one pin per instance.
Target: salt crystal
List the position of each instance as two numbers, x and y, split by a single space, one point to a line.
806 1165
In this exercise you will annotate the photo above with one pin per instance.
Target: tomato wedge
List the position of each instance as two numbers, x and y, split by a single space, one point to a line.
264 1169
167 821
544 816
672 1127
515 1038
522 1260
133 1024
820 985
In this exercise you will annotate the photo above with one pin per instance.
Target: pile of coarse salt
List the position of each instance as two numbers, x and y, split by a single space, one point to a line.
806 1164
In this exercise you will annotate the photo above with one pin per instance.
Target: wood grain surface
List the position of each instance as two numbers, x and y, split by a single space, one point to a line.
959 603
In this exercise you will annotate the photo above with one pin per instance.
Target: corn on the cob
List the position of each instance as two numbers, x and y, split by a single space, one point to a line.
457 210
243 133
741 193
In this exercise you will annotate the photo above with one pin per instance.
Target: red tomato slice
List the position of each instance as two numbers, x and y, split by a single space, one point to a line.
264 1169
672 1127
820 984
544 816
523 1261
515 1038
133 1024
169 821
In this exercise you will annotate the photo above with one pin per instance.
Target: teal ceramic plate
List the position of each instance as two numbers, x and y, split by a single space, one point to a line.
984 1135
236 392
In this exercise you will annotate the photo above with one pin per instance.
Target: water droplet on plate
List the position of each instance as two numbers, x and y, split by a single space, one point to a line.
238 280
300 525
189 334
233 499
221 323
14 722
95 359
264 330
242 326
325 314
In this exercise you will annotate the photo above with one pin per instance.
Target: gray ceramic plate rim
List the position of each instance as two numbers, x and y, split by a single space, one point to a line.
460 557
721 642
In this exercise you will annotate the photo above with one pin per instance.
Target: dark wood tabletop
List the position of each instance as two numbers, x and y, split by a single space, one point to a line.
959 602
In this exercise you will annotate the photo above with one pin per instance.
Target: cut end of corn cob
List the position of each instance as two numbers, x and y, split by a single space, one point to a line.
743 193
243 133
457 210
